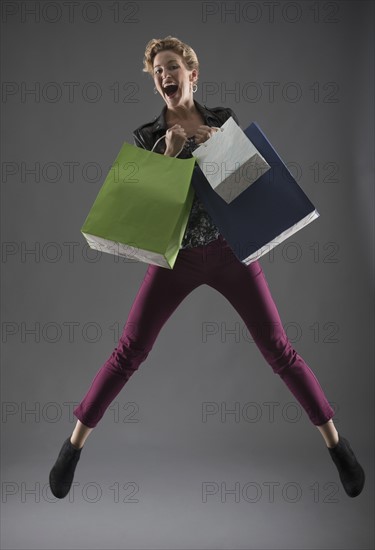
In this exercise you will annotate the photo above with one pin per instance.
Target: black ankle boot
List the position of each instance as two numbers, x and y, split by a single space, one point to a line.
62 474
351 473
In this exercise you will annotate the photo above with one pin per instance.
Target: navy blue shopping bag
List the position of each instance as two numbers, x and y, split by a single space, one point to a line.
265 214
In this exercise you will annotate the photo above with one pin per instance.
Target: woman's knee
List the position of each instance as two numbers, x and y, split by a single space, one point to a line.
279 353
128 355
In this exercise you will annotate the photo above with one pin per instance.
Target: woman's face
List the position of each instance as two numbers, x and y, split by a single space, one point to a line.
170 68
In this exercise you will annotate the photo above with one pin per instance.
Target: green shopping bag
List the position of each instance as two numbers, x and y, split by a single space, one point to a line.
142 209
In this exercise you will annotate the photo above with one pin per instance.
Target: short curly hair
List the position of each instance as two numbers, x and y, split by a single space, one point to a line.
156 45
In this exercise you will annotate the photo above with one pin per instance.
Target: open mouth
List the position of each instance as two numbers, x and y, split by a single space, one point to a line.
170 89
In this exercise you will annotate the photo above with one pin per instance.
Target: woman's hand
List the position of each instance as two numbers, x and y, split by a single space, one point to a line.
204 132
175 138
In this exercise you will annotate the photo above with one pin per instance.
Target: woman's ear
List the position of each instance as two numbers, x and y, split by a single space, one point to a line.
194 75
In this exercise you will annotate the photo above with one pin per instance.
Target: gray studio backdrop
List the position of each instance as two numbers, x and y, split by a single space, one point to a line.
204 447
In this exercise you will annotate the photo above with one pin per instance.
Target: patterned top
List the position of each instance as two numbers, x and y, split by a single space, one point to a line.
200 229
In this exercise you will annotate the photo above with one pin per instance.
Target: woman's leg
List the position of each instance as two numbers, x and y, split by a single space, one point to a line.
246 288
161 291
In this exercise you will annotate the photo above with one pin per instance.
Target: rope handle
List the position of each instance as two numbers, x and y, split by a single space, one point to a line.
157 141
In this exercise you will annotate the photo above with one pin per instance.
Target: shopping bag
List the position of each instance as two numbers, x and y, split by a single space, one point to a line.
142 209
230 161
267 213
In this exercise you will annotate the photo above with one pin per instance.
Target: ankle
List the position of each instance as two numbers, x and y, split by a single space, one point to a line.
332 440
77 444
331 444
329 434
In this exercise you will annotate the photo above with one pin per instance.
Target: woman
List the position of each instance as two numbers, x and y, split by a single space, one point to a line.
204 258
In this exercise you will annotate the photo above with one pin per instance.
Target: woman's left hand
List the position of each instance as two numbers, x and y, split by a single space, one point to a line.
204 132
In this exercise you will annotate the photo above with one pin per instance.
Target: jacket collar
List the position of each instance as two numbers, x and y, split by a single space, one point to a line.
160 124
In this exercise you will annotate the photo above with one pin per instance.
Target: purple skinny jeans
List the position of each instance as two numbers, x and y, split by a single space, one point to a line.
160 293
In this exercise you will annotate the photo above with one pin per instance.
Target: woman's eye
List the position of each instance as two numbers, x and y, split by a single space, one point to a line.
172 67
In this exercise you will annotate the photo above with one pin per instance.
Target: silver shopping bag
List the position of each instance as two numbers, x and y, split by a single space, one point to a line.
230 161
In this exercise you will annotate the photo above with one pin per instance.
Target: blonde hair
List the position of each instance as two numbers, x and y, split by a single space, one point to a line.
156 45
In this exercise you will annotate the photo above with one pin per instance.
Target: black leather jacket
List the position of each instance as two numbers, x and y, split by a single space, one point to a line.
147 134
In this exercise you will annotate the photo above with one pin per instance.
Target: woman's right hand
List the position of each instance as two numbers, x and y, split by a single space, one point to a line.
175 138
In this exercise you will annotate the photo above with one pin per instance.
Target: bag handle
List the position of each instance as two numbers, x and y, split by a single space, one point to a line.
157 141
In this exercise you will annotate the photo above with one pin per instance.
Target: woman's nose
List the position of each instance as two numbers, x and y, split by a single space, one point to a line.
166 74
